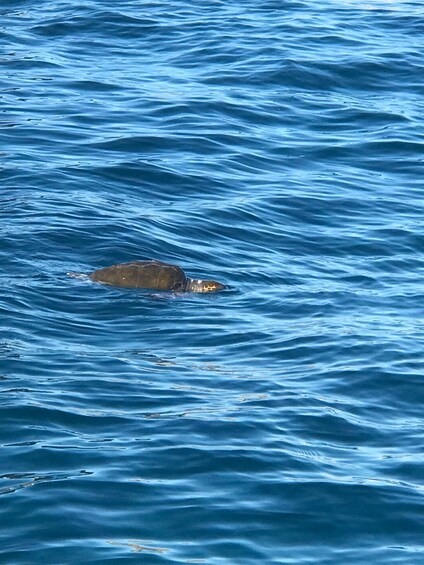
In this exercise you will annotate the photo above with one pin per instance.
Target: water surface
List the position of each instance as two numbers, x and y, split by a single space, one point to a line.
274 147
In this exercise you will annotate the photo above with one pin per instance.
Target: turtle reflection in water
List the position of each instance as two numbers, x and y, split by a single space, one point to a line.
153 275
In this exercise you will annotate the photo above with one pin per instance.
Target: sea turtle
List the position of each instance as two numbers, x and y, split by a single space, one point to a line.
152 274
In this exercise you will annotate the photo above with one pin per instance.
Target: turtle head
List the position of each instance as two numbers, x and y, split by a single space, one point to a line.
197 285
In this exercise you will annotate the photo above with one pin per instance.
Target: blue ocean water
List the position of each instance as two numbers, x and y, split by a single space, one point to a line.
276 146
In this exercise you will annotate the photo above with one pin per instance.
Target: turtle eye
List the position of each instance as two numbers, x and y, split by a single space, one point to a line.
211 288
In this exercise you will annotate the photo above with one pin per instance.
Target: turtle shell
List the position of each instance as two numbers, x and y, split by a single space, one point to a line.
142 274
